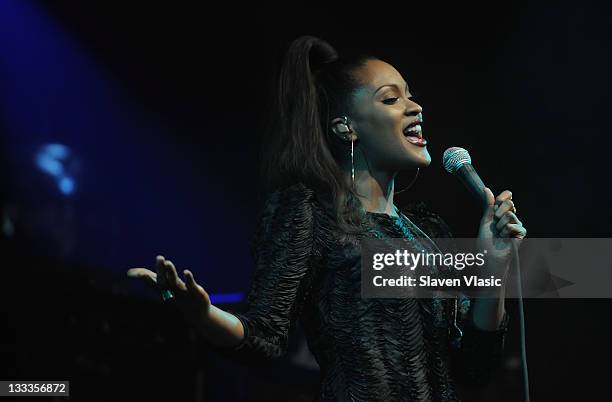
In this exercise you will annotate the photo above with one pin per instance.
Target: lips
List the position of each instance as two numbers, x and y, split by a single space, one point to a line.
420 141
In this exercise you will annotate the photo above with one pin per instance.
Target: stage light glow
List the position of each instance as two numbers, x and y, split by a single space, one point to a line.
52 159
226 297
66 185
49 158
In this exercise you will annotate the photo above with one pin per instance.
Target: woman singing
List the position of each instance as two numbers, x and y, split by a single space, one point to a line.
344 128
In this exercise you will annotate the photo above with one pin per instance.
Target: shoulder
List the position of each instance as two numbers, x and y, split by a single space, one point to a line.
285 205
426 219
289 198
293 191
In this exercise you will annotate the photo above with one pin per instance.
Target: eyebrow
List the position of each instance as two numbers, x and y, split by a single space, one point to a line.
390 85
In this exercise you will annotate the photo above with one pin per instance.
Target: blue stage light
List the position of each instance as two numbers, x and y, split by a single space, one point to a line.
49 158
226 297
66 185
52 159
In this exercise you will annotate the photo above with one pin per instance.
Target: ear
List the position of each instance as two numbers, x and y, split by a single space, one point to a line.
342 129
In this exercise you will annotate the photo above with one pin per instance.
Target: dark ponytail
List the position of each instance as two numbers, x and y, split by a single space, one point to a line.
314 85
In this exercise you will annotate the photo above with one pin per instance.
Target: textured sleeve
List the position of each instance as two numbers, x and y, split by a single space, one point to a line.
477 354
281 249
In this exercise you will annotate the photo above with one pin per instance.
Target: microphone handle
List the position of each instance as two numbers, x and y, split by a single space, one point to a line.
470 179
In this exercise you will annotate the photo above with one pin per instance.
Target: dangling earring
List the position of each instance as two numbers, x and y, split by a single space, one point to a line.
346 130
410 185
352 162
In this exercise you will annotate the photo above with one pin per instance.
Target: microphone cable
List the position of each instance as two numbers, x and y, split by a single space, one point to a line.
519 291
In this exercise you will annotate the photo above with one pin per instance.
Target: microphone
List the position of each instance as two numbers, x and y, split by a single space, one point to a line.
457 161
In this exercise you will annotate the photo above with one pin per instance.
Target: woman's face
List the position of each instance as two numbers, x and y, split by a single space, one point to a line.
384 118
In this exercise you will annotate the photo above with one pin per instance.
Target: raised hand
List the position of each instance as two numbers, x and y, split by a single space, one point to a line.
499 227
191 298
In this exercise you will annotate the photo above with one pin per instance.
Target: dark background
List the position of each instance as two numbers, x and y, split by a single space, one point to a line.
162 107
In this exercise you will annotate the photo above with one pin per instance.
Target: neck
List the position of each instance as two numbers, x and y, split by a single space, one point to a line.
375 190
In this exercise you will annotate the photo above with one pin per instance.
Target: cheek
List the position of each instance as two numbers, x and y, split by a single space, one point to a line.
383 122
380 133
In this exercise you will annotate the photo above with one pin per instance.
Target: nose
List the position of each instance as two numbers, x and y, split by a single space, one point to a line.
412 108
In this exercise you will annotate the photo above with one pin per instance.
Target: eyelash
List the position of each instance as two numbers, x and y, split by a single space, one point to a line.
393 100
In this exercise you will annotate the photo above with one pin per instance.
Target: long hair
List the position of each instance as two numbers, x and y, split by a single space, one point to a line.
315 84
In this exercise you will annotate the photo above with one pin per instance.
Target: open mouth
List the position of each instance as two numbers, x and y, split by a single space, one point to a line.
413 130
413 134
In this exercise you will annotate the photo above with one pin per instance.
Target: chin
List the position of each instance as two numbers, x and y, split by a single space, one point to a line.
421 159
427 159
406 159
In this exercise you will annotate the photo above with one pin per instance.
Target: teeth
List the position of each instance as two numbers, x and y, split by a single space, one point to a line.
414 129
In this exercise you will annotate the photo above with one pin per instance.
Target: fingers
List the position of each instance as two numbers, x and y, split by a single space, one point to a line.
162 282
504 195
138 272
508 217
490 198
174 282
514 230
507 222
166 277
194 289
149 277
503 203
503 207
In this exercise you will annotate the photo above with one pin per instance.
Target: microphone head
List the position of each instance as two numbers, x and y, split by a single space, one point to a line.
454 158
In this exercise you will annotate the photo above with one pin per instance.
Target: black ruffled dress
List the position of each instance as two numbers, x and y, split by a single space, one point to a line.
367 349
